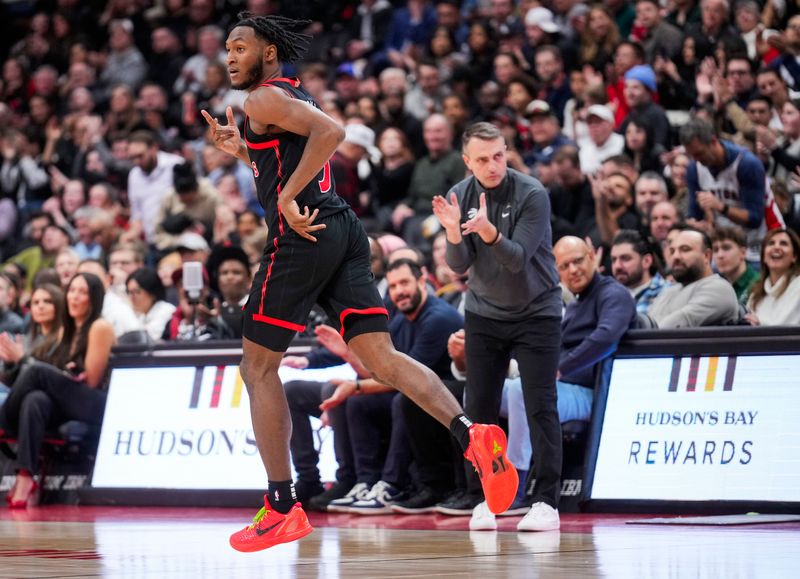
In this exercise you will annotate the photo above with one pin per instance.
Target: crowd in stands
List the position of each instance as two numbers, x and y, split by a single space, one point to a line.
667 133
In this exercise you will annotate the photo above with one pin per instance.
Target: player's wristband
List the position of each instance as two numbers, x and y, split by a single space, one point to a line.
358 387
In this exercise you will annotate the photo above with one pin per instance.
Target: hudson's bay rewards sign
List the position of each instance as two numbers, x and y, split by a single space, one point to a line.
701 428
189 428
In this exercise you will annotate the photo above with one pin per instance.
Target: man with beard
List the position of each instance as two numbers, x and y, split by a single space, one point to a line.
317 252
148 183
701 297
634 265
420 328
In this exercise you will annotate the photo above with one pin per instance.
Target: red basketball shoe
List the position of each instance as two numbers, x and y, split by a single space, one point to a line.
487 452
271 528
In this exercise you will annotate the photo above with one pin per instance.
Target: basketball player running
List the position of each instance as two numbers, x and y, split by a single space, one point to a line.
319 253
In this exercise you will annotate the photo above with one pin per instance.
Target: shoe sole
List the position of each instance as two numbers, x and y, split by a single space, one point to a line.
288 538
515 512
498 475
556 527
407 511
453 512
371 511
483 528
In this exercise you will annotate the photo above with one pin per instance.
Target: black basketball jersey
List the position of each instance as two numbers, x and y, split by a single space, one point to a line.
273 159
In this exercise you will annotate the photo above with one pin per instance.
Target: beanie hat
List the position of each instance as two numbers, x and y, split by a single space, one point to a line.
644 74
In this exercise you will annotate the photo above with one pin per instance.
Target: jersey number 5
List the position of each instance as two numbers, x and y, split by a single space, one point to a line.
325 182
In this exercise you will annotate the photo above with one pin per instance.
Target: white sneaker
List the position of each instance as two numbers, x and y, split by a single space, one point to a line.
357 493
541 517
482 519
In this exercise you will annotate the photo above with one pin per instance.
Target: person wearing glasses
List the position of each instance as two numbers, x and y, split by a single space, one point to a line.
149 300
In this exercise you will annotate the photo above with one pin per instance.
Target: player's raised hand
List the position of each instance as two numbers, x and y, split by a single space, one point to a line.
226 137
301 223
448 213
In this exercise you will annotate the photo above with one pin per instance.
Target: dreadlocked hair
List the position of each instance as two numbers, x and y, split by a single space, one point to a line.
280 31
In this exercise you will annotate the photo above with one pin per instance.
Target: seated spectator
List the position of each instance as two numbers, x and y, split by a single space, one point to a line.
641 147
613 206
192 202
16 274
603 142
68 387
775 298
10 322
549 66
123 260
86 246
726 185
650 190
47 310
658 37
352 169
545 133
116 310
393 174
196 319
593 324
701 297
438 171
729 249
571 199
663 216
634 265
42 255
640 86
148 299
232 275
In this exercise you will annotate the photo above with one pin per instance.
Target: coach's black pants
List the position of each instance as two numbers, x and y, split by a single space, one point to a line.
535 343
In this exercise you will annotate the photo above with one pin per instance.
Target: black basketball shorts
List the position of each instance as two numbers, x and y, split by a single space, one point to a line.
296 273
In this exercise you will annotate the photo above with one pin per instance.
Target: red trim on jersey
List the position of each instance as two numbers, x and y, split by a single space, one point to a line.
268 145
280 228
276 322
365 312
295 82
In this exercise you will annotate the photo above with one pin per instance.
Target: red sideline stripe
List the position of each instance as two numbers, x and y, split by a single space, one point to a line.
366 312
277 322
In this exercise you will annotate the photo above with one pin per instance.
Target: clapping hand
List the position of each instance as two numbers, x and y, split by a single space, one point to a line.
448 214
480 223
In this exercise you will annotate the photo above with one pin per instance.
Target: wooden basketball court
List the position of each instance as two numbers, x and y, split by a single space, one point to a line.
56 541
